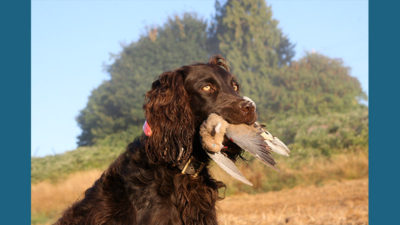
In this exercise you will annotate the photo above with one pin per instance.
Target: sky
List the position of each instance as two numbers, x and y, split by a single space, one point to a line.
72 41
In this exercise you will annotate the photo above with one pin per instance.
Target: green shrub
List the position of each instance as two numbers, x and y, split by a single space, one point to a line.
323 135
308 138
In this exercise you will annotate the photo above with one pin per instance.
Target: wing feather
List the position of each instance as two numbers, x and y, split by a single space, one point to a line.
228 166
249 138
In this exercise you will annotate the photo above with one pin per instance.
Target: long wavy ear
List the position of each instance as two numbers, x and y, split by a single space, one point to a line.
170 117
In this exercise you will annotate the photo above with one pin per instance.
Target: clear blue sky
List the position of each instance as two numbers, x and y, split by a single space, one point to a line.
72 41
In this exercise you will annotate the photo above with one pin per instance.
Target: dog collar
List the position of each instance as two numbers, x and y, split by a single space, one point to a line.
146 129
192 167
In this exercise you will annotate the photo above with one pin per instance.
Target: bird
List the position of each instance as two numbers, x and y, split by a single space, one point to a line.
257 141
253 138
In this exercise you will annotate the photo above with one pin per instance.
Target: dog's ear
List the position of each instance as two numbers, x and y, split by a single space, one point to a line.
219 61
170 118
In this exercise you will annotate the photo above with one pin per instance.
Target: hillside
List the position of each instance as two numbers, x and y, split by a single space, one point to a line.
324 150
335 203
315 139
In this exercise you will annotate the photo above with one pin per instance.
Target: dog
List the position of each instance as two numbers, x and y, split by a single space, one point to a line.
162 178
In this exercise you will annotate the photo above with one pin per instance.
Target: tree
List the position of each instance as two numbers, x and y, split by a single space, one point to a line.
247 35
260 56
313 85
117 103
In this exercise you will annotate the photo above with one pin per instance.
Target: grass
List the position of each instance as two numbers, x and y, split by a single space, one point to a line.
57 167
309 138
335 202
314 171
50 198
42 218
324 149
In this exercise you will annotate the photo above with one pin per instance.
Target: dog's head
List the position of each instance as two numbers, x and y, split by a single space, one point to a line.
180 100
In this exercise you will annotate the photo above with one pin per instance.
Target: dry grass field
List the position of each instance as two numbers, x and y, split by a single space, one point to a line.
48 198
334 202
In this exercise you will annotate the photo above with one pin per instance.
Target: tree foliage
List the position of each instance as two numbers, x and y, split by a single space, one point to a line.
247 35
260 55
117 103
313 85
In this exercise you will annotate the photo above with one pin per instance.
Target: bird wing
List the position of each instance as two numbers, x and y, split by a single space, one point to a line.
250 139
273 142
228 166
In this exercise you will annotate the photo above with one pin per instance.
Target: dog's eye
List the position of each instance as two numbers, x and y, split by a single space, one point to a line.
235 87
207 88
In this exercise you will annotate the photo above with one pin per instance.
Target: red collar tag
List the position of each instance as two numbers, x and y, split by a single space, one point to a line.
146 129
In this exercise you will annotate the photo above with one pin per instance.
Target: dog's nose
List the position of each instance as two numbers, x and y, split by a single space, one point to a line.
247 107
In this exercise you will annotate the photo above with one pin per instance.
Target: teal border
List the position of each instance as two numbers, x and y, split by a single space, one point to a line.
15 108
384 105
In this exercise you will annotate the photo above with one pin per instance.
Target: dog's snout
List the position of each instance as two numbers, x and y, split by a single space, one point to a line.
247 107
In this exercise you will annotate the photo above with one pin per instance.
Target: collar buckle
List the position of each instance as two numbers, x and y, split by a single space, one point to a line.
192 167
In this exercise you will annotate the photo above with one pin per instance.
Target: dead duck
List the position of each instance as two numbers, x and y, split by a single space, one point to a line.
254 139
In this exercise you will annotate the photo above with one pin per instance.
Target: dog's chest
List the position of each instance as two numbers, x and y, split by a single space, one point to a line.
178 200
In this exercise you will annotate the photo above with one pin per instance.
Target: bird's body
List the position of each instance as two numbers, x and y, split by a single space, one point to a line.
251 138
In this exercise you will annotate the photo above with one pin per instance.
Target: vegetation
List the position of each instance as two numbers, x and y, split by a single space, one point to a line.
57 167
260 55
116 105
313 85
312 104
50 199
247 35
312 138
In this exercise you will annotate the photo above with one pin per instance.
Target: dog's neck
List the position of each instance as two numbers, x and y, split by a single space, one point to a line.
198 161
195 164
192 167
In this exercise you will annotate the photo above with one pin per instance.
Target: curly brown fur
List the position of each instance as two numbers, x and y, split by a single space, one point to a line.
144 185
169 115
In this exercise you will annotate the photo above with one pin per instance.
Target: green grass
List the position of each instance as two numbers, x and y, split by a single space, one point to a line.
56 167
99 156
42 218
309 138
